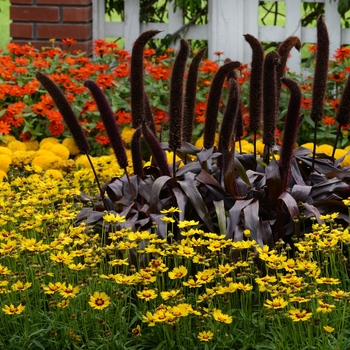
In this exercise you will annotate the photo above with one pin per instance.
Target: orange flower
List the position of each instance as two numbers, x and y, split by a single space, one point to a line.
56 128
102 139
328 121
68 41
4 128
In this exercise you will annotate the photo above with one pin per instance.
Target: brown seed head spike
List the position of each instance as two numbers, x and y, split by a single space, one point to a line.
343 115
148 113
136 77
176 96
110 123
157 151
66 111
190 96
213 102
228 120
284 50
256 83
291 129
321 70
136 152
270 98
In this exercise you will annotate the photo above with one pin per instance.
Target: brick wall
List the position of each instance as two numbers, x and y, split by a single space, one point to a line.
38 21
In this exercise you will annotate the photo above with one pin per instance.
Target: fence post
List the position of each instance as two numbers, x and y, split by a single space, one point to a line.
226 29
98 20
293 27
175 22
332 18
131 22
251 26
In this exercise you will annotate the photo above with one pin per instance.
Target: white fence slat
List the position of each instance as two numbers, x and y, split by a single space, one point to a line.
226 29
229 20
251 26
293 27
332 18
132 22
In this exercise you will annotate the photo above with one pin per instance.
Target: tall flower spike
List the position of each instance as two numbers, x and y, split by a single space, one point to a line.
343 115
284 50
321 71
190 96
256 83
290 129
228 121
156 149
176 96
136 77
136 152
66 110
148 113
270 98
110 123
213 102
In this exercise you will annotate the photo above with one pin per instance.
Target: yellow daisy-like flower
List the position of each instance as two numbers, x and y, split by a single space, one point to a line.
205 336
63 304
219 316
276 303
69 291
136 332
21 286
178 272
206 276
324 307
11 310
299 315
147 294
170 210
113 218
99 300
169 294
167 219
327 280
186 223
52 288
328 329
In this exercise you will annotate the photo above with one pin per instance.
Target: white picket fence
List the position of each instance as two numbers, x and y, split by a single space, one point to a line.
228 21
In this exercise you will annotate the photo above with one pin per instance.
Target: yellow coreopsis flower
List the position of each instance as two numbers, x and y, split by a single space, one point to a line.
11 310
169 294
206 275
113 218
62 257
52 288
20 286
170 210
178 272
324 307
328 329
327 280
147 294
187 223
276 303
205 336
69 291
219 316
99 300
299 315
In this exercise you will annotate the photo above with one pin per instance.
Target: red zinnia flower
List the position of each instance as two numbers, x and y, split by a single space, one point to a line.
102 139
4 128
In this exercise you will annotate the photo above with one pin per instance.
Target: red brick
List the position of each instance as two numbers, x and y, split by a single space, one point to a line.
60 31
21 2
21 30
64 2
34 14
77 14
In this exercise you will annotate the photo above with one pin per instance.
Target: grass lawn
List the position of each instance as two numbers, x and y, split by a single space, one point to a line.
4 23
